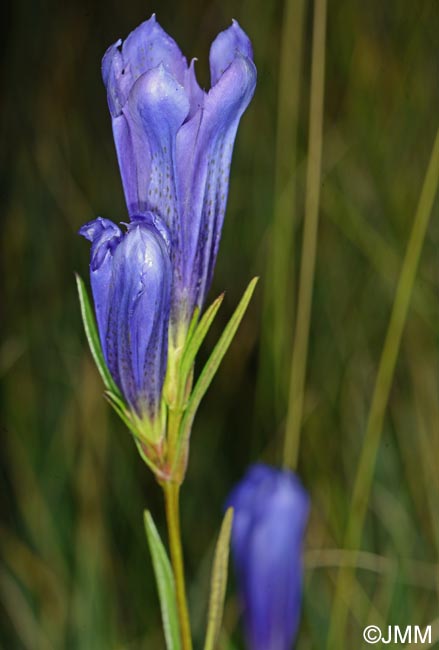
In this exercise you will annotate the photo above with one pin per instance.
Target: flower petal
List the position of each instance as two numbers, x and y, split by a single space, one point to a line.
270 515
195 94
128 164
224 49
145 48
105 236
156 108
204 152
138 316
114 77
149 46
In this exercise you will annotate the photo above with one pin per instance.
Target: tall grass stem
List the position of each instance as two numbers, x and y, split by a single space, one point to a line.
309 244
279 288
383 383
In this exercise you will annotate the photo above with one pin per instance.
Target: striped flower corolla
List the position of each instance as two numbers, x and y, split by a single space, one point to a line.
131 277
270 514
174 144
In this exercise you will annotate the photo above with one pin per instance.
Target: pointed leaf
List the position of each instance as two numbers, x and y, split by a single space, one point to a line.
91 332
197 338
165 584
218 582
212 366
193 324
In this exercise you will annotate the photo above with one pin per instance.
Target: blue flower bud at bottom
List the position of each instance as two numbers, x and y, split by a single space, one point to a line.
270 514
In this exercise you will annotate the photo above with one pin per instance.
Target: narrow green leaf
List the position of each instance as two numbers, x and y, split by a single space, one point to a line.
218 582
118 400
91 332
212 365
193 324
197 338
117 404
165 584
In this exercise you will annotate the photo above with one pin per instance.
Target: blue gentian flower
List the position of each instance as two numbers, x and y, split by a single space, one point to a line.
270 514
131 283
174 144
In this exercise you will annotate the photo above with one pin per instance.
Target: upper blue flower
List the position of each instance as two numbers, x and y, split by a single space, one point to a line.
174 142
131 283
270 514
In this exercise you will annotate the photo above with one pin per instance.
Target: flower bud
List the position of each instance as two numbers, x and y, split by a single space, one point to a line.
131 282
270 515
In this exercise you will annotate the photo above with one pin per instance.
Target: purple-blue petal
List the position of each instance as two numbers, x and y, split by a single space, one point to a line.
204 152
174 143
155 110
195 94
104 236
128 164
270 514
225 48
145 48
131 290
117 83
149 46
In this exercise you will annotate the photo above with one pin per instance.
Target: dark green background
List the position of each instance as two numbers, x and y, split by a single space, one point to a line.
75 570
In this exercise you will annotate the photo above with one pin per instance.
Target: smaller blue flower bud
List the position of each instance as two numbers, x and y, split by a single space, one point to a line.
270 514
131 283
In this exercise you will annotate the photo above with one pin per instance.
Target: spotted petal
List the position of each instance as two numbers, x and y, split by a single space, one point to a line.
131 282
204 152
124 66
156 108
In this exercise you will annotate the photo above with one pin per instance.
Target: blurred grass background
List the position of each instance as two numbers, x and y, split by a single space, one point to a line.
75 571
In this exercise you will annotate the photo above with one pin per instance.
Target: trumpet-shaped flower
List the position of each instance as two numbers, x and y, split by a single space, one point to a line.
174 143
270 515
131 282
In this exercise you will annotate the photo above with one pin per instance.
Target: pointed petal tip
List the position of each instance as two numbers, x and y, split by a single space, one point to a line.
226 47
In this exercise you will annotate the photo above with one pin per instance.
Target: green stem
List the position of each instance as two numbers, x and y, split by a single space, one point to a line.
281 288
172 493
309 245
366 467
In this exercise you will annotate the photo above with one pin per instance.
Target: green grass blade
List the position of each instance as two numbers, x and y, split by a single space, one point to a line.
165 584
383 384
212 365
299 357
197 338
91 332
218 582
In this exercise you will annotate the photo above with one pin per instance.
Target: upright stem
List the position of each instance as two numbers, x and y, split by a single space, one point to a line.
172 493
383 383
281 288
309 245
